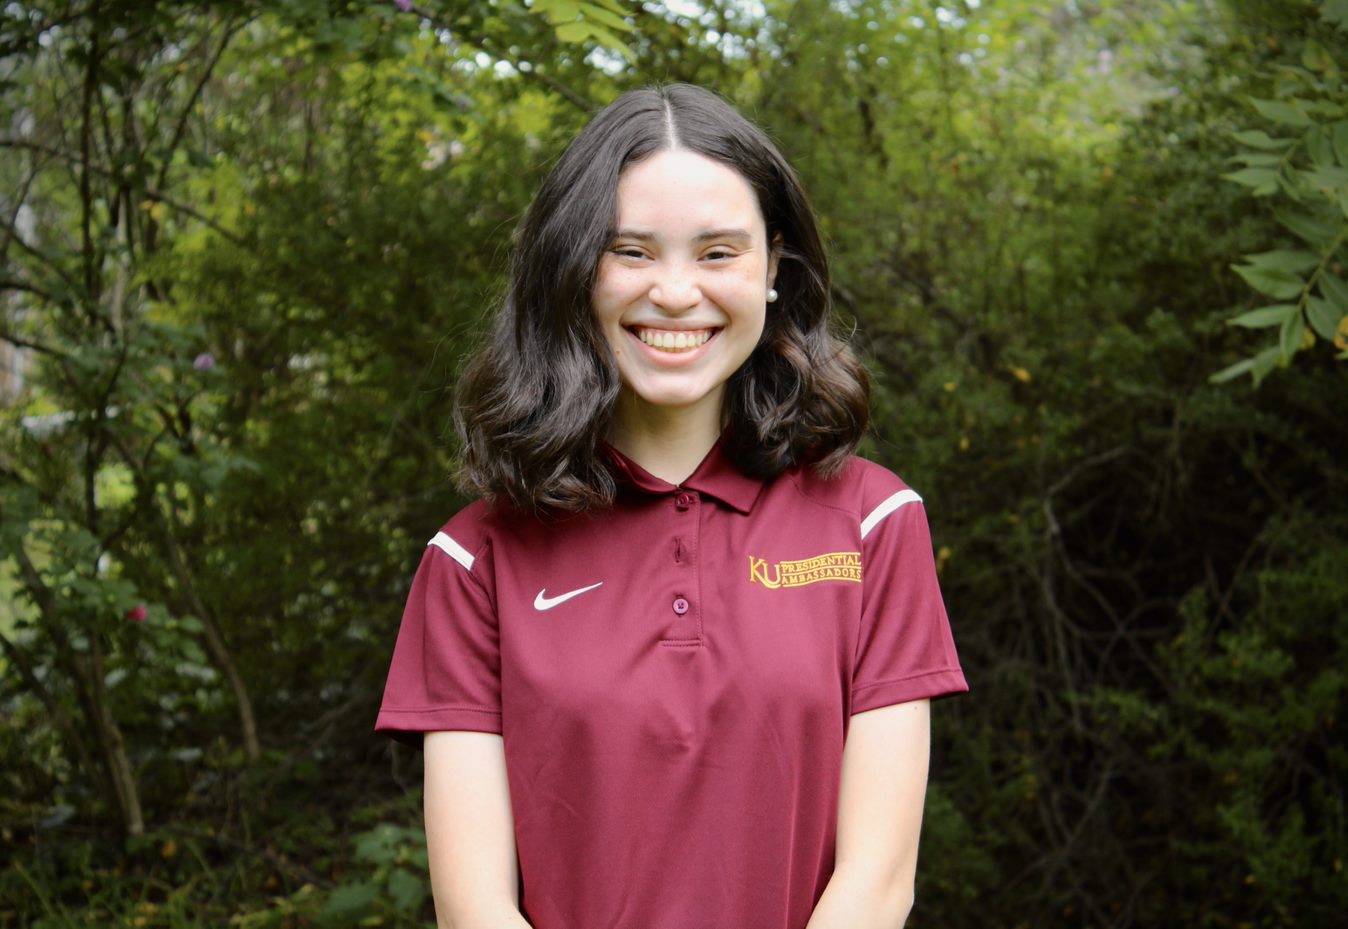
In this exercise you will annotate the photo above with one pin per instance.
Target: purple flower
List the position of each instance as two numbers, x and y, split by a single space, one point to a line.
403 5
204 362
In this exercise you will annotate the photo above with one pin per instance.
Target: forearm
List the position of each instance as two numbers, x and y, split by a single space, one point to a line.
507 918
470 841
853 900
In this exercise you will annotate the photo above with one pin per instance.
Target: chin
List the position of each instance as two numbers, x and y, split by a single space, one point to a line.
669 401
673 398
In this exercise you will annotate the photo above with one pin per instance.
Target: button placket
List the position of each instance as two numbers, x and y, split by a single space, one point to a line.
683 628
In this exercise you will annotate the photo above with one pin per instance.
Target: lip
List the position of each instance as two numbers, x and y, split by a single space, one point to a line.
674 359
674 327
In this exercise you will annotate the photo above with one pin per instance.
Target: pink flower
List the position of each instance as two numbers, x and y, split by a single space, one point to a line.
403 5
204 362
137 613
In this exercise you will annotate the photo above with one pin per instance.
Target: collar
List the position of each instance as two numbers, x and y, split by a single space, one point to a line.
716 476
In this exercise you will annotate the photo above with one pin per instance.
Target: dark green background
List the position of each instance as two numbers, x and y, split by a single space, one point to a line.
1033 237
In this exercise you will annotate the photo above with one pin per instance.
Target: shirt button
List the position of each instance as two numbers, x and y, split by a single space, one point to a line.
680 606
683 501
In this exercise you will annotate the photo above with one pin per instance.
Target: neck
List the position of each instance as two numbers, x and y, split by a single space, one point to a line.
670 444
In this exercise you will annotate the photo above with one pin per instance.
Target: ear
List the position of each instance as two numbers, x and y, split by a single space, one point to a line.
774 255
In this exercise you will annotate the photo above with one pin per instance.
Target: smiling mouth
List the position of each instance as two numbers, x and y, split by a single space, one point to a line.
666 340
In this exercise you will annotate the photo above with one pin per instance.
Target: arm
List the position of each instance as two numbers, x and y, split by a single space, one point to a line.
884 783
470 837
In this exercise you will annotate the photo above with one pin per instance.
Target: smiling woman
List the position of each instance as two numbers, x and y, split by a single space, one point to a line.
681 296
537 406
672 670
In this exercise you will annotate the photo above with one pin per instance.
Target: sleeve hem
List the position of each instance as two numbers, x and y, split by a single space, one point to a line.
406 724
930 685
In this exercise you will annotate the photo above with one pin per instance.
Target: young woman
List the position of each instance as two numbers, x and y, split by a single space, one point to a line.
673 669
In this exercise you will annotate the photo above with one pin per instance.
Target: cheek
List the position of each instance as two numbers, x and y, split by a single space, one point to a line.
612 291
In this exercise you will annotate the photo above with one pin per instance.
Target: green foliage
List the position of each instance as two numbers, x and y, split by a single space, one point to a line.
232 436
1303 170
386 886
578 21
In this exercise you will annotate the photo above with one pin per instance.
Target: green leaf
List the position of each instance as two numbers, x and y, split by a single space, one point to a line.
1275 282
1323 317
379 845
406 889
597 14
1321 147
1289 337
1293 183
1335 12
1335 291
1339 132
1232 372
558 12
1312 229
1314 57
574 32
1264 317
1295 261
1329 178
1258 138
1280 112
349 901
1264 181
612 41
1264 363
1258 159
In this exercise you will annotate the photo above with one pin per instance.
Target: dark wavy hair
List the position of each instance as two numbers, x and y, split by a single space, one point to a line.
537 400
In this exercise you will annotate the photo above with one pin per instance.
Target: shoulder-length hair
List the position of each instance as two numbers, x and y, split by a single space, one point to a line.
537 400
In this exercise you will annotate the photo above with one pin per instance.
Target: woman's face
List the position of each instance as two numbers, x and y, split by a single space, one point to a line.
681 291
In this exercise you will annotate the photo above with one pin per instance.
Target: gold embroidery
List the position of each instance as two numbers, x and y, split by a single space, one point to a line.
831 566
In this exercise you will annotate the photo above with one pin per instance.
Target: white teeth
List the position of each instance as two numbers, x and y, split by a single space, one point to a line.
665 340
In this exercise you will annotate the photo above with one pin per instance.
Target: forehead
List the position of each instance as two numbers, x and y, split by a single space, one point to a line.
681 189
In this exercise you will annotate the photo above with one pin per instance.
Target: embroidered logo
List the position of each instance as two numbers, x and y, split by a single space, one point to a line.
544 602
831 566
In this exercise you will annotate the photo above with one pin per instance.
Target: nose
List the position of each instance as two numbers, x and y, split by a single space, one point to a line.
674 289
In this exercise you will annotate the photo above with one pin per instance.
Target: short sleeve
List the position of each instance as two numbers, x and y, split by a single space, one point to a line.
905 649
446 668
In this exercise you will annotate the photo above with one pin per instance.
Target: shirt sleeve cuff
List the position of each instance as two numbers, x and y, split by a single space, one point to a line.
926 686
407 725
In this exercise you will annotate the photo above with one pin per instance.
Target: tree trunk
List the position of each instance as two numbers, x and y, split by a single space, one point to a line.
87 675
212 639
219 652
214 642
110 740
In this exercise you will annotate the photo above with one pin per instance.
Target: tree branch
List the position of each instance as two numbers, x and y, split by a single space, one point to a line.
181 126
86 144
483 44
154 195
32 250
21 342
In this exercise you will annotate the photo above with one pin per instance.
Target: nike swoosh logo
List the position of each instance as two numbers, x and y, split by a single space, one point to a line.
542 602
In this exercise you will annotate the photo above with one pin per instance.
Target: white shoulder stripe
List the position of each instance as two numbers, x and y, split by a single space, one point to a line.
889 505
452 549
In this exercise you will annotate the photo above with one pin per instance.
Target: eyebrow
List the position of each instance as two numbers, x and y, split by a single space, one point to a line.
711 234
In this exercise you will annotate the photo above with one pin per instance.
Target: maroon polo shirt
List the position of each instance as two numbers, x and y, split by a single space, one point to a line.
673 679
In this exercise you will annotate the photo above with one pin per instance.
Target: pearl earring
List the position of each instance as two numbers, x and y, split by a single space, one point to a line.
772 295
